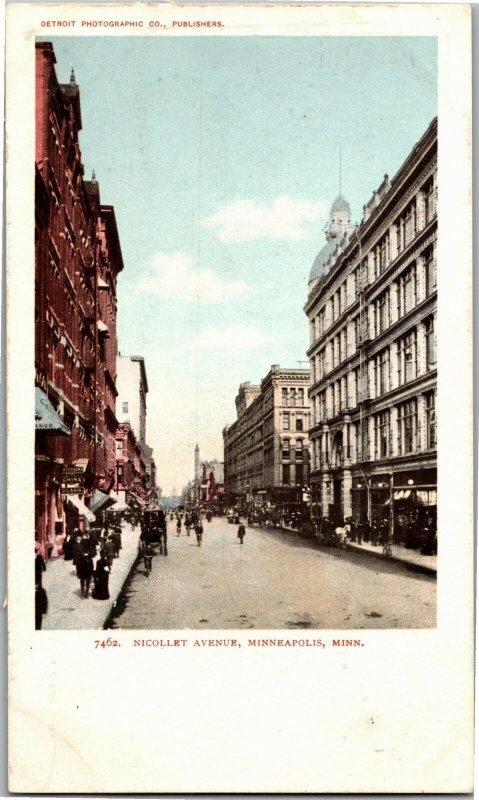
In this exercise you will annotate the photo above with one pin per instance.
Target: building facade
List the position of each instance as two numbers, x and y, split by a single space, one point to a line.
135 466
266 451
77 263
372 318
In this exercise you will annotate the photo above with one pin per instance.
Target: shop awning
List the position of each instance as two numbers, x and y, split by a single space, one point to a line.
120 504
82 508
46 418
136 498
100 501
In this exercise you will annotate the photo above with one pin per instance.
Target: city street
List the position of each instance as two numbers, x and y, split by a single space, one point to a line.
275 580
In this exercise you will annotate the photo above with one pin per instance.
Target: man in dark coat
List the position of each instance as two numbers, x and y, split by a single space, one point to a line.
241 532
84 571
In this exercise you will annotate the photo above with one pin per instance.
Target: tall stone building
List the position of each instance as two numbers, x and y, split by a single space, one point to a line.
372 318
266 451
77 262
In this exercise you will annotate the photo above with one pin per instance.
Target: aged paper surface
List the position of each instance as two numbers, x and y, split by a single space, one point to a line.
162 710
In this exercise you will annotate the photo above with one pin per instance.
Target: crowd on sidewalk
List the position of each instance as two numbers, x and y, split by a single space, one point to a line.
92 553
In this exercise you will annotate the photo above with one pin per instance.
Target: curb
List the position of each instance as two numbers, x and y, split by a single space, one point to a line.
379 554
113 603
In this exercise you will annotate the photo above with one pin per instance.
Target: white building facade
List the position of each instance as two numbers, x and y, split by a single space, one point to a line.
372 317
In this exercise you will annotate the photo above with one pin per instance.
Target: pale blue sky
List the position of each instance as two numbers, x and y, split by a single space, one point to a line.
220 156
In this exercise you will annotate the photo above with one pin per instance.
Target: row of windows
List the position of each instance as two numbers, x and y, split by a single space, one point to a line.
405 351
292 397
404 231
391 305
345 393
286 448
300 475
412 430
286 422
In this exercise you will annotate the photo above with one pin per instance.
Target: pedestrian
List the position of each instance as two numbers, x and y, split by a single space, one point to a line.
85 572
68 543
116 537
241 532
148 554
178 526
40 566
41 605
199 532
187 524
101 576
109 550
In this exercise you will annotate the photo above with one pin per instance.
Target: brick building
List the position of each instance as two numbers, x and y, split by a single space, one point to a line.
372 316
77 262
266 451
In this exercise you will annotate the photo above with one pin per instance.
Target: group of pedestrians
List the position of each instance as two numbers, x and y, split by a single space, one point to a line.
92 553
193 521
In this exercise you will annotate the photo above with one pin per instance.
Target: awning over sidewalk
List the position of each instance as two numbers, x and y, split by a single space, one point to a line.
100 501
120 504
137 499
82 508
46 418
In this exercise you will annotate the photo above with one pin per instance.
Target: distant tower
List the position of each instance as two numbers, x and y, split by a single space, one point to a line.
197 472
197 462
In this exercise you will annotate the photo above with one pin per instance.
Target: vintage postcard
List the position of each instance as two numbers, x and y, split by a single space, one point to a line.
239 365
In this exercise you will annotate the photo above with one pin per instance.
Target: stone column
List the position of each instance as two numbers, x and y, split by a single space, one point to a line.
346 490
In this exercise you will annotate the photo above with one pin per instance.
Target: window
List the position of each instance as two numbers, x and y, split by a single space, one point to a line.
299 423
337 397
407 354
285 448
300 397
292 397
431 437
284 397
342 297
407 427
407 290
286 422
321 321
381 368
119 448
125 408
381 255
285 480
381 312
429 200
299 475
322 405
429 271
430 344
406 227
299 449
342 345
381 434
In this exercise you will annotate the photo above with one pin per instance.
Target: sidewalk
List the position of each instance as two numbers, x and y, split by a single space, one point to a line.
412 558
398 553
67 609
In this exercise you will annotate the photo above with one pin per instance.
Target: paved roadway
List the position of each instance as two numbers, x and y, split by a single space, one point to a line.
273 581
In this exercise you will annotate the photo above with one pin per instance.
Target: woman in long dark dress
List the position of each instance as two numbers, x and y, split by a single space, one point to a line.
68 547
102 575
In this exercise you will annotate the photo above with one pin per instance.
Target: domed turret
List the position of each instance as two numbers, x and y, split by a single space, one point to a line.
339 224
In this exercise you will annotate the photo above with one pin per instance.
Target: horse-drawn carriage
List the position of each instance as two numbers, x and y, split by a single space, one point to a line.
153 529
